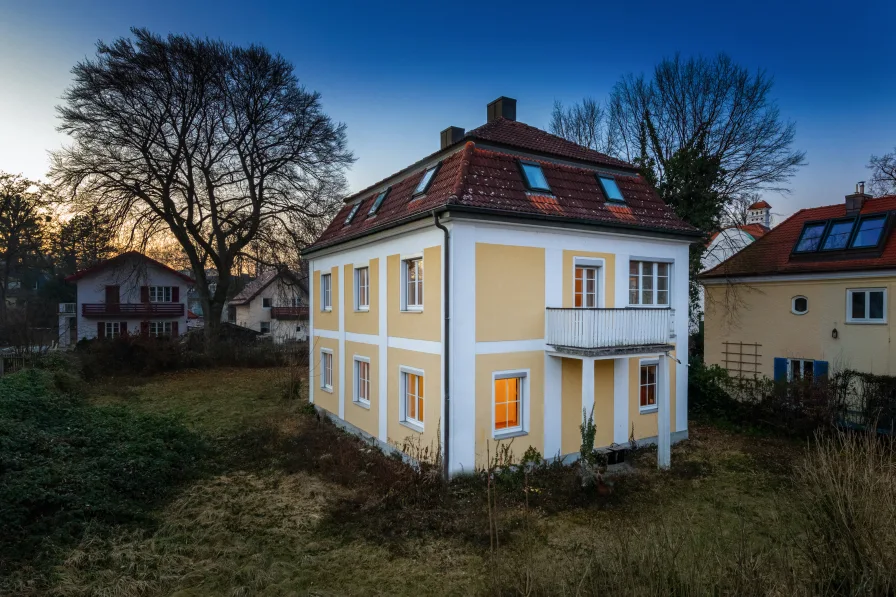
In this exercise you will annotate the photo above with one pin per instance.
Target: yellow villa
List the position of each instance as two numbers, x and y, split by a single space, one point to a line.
809 297
490 292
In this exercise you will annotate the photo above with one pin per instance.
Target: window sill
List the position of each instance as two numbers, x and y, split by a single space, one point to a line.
327 310
648 411
866 323
362 403
328 390
413 426
509 434
411 310
362 310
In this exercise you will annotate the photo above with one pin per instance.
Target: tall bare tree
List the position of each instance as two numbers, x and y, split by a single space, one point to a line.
585 123
214 144
883 174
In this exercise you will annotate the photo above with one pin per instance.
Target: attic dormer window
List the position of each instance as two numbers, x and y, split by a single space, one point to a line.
838 235
424 183
534 177
378 202
611 189
869 232
810 238
351 214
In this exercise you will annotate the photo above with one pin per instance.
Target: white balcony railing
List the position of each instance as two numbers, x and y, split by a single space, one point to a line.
609 328
67 308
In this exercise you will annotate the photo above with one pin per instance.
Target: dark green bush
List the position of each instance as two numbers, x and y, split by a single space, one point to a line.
65 464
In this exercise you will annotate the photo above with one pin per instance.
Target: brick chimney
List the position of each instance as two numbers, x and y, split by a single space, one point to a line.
503 107
855 201
451 135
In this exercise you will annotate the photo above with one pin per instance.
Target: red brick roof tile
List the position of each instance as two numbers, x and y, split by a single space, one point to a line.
760 205
771 254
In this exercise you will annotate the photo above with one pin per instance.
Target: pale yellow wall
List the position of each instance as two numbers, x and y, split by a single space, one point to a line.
760 313
431 365
417 325
609 277
363 322
322 398
571 404
364 417
486 365
645 425
327 320
509 292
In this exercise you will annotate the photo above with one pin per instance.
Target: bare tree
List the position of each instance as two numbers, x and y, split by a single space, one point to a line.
214 144
585 123
22 203
883 174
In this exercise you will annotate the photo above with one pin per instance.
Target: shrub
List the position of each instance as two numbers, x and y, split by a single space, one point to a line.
65 464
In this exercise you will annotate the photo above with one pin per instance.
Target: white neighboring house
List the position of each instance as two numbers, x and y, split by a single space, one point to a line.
275 303
126 295
733 239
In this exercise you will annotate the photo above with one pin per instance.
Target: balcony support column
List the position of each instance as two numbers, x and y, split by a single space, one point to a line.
663 440
588 386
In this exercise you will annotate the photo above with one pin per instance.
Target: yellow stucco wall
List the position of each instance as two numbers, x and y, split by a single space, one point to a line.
509 292
486 365
362 416
609 277
571 404
362 322
431 365
417 325
327 320
645 425
603 402
761 313
323 398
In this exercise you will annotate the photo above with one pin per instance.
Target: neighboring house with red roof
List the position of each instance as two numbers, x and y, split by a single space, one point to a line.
275 303
809 296
126 295
494 289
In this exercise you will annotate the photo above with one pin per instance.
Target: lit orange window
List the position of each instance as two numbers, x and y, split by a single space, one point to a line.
586 287
413 397
648 386
508 403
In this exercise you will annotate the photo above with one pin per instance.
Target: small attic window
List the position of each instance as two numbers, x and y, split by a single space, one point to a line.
534 177
611 189
838 235
351 214
424 183
810 238
378 202
869 231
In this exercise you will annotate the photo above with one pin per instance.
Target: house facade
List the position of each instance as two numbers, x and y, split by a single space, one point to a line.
127 295
811 296
488 294
275 304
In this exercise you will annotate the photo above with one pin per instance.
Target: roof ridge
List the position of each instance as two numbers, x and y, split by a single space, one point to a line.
465 159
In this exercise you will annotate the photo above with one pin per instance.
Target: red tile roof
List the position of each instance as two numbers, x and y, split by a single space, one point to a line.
123 257
489 180
771 255
760 205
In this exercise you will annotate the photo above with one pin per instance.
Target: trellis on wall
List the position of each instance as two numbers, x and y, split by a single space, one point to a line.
742 359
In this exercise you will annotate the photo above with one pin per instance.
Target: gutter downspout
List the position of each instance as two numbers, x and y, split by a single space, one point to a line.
446 290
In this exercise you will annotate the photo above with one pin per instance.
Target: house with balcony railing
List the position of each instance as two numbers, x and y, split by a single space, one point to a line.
489 294
274 304
126 295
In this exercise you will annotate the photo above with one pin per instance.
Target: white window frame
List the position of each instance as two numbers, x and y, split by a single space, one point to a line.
793 305
160 328
655 280
866 320
357 361
325 374
160 294
326 294
592 263
406 305
404 419
261 325
523 427
362 305
802 363
113 329
644 410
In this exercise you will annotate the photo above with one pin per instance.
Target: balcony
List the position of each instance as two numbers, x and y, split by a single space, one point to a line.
289 312
67 308
600 332
127 310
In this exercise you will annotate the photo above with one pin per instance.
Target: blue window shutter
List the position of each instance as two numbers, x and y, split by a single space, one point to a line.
821 369
780 369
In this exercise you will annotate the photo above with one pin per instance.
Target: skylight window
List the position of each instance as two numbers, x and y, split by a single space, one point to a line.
424 183
351 214
838 235
810 239
378 202
534 177
869 232
611 189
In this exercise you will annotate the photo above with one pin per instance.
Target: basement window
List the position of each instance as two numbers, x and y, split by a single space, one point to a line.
611 189
378 202
534 177
351 214
428 176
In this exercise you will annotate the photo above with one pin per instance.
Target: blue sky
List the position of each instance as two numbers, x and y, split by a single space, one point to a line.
397 74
